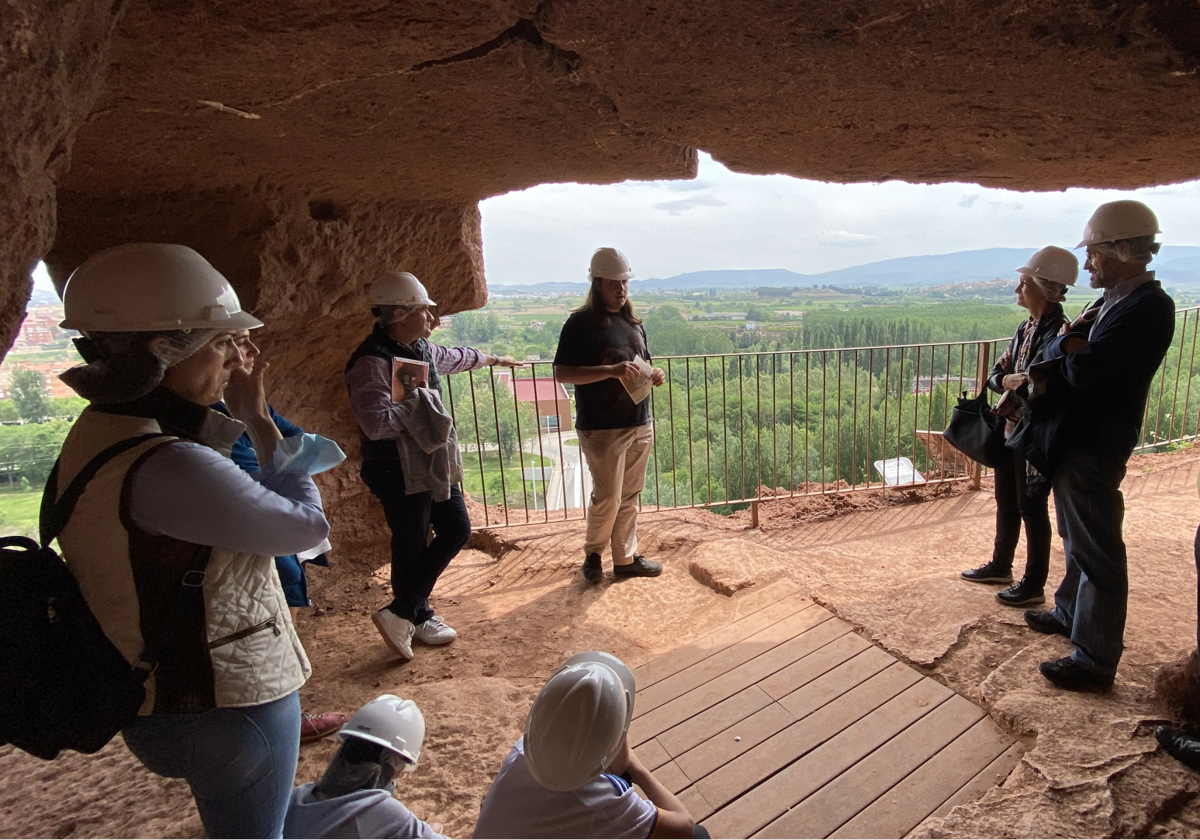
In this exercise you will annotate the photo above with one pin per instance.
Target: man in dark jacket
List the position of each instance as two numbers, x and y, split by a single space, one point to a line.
1107 365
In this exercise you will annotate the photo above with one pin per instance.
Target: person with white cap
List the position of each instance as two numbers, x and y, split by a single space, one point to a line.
355 796
1042 287
410 457
1106 362
597 352
222 710
572 773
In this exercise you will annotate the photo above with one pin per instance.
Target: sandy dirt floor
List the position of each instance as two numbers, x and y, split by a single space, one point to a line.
889 565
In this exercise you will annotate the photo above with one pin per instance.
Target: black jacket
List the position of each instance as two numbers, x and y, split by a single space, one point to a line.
1095 398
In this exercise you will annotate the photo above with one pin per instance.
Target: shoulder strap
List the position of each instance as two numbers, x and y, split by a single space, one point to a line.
56 511
161 637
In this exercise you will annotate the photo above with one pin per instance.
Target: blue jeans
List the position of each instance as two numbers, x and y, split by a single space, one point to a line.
1094 593
239 763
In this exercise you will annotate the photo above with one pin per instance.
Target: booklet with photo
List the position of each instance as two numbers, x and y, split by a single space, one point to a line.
407 376
640 389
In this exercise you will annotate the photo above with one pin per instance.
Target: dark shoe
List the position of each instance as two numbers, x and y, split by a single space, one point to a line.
1022 594
991 573
1067 674
313 726
1179 745
1045 622
592 570
640 567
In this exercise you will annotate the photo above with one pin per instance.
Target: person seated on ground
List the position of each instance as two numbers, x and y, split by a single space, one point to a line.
313 725
354 796
222 710
572 773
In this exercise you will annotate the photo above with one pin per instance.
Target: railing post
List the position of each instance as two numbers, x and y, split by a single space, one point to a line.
982 368
754 513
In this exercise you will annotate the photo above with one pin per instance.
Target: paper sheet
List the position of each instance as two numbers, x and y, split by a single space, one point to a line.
641 383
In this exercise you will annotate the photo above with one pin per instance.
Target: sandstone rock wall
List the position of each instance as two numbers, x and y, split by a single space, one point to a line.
53 58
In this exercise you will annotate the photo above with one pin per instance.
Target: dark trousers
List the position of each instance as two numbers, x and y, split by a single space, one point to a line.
1014 506
416 564
1094 594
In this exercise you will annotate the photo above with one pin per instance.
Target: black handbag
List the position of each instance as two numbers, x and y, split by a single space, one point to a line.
975 431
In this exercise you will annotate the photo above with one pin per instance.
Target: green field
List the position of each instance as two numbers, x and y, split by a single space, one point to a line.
473 483
19 513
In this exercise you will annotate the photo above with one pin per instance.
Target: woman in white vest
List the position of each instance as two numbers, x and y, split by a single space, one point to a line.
221 710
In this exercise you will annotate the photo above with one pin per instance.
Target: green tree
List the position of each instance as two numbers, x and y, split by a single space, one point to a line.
475 327
28 389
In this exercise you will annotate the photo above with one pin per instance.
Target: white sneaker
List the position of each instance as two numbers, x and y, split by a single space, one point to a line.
397 632
434 631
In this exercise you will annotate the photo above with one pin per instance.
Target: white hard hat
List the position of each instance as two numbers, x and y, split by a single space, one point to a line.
143 287
398 288
390 722
1058 265
1116 220
611 264
579 720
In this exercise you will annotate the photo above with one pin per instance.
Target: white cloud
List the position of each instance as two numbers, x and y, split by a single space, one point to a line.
728 220
676 208
846 239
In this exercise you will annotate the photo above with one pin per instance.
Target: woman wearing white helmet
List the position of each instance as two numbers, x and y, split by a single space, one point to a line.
221 709
354 797
411 461
572 773
1044 281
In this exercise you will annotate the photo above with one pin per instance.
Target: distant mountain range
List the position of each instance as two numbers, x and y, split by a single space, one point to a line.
1176 265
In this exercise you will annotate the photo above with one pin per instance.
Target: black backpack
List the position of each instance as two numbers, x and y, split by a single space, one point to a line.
63 684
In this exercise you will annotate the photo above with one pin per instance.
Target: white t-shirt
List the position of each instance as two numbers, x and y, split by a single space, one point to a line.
361 814
517 806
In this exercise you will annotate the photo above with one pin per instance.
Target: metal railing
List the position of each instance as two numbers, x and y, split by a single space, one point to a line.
734 429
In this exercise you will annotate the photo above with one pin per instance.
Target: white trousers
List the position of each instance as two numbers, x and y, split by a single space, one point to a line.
616 459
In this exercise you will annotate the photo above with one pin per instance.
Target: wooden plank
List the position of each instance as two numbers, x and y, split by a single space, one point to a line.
750 601
804 671
870 779
695 803
728 684
829 686
758 807
904 807
992 775
652 754
777 752
671 777
694 731
722 748
767 639
672 663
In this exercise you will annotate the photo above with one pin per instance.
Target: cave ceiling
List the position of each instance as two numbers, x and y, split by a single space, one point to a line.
455 101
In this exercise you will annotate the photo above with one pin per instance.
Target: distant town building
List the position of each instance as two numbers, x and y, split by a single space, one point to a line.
926 384
548 395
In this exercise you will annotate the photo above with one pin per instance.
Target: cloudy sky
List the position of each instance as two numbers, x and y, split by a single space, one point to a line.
725 220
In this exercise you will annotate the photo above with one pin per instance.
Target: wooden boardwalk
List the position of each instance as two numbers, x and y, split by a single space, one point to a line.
786 723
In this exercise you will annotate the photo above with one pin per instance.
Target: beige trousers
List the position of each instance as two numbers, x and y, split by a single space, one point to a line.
616 459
